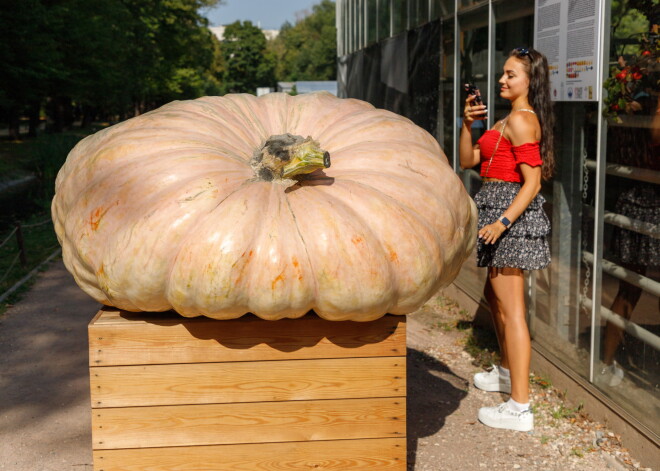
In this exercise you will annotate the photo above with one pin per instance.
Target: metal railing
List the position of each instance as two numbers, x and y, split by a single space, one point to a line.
630 327
629 276
17 234
626 171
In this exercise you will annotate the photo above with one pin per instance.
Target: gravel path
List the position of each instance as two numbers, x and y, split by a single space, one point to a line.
444 433
45 416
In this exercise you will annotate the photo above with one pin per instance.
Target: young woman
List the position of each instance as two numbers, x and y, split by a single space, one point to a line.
514 155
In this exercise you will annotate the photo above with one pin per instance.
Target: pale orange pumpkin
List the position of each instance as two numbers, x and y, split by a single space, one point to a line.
185 208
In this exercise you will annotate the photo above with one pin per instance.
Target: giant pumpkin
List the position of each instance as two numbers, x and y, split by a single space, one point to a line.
274 205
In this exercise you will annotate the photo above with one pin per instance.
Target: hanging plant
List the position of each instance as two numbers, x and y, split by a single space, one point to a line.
632 80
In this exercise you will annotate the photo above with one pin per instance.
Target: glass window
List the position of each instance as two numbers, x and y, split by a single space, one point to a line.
441 9
470 4
558 320
473 68
399 16
514 25
447 114
628 363
372 21
418 11
473 63
383 19
359 22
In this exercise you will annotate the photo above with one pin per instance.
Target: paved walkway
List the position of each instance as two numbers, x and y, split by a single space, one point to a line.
45 405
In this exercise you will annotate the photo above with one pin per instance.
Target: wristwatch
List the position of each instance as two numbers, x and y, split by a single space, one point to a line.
504 221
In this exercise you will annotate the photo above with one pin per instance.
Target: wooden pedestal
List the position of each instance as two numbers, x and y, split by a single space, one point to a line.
171 393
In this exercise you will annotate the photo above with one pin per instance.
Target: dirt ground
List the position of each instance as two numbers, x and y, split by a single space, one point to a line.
45 414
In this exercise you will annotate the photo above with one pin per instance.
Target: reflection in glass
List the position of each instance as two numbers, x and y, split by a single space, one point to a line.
466 4
628 368
513 28
399 16
418 11
383 19
473 68
447 114
441 9
474 59
372 21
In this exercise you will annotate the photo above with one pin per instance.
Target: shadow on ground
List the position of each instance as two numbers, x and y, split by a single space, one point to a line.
43 352
434 392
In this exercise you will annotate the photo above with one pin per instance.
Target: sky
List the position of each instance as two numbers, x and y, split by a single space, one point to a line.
269 14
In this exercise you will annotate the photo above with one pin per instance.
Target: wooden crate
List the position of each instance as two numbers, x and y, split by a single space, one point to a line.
171 393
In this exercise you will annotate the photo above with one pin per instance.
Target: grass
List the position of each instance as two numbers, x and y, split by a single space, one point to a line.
41 157
39 241
563 412
577 452
541 381
482 345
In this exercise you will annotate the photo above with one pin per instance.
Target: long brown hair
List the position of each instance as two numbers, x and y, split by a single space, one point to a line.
536 66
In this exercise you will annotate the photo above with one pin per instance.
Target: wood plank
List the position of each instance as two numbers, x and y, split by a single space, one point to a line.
207 383
387 454
120 338
262 422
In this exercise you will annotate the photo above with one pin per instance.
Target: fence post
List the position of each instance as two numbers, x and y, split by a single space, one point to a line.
21 244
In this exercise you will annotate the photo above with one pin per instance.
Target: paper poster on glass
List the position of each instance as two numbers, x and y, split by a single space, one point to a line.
569 33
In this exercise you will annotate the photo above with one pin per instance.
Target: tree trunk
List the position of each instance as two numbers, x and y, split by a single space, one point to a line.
35 107
14 123
88 115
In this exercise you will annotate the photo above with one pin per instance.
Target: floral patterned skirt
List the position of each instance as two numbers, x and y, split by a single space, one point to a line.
642 205
525 244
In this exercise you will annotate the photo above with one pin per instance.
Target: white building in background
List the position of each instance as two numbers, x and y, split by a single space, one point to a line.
219 32
308 86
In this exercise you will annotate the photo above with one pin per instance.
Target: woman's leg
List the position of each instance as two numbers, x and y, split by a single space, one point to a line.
624 303
496 314
508 287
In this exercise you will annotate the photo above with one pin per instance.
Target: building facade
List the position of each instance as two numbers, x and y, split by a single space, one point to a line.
599 298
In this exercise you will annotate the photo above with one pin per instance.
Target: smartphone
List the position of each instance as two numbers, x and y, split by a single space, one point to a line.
472 89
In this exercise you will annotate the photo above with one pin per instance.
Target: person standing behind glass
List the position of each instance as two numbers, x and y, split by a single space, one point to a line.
513 228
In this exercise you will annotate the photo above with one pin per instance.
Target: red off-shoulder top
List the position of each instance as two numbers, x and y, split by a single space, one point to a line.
505 161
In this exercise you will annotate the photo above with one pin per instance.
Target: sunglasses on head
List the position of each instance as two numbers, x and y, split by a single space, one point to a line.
523 51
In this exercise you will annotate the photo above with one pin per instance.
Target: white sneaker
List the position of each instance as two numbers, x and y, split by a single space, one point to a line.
611 375
493 381
503 417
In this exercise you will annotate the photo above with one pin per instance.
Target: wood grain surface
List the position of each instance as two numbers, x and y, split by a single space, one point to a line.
286 380
219 424
122 338
388 454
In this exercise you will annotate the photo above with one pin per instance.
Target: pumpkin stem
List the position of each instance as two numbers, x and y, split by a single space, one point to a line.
285 156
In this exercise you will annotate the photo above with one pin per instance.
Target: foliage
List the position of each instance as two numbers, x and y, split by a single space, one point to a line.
635 45
76 58
39 241
308 50
248 63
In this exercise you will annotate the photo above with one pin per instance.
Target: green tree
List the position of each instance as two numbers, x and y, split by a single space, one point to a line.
248 64
173 54
308 50
29 58
115 57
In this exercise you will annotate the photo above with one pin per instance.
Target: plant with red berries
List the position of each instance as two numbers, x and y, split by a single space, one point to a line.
633 78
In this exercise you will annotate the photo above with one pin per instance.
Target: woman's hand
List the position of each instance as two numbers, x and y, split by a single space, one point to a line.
491 232
472 112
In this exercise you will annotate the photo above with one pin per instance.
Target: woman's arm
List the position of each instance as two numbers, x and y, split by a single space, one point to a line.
528 191
470 155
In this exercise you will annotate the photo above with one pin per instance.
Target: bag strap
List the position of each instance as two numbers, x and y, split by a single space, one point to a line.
497 145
